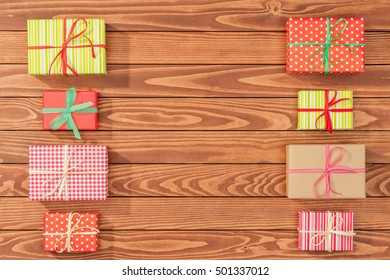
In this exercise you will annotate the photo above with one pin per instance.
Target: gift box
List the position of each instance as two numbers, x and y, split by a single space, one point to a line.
68 172
325 171
325 110
66 46
325 231
70 232
325 45
71 109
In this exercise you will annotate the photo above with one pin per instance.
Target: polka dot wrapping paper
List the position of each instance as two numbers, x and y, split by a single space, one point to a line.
325 231
68 172
70 232
325 45
325 110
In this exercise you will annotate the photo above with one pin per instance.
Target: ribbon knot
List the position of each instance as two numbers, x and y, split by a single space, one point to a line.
328 109
65 116
67 39
325 46
72 230
329 168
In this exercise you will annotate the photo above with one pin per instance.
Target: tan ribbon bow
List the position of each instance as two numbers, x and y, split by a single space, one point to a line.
62 185
71 230
327 234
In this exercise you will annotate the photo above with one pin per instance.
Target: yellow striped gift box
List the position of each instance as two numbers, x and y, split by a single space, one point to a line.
56 46
315 100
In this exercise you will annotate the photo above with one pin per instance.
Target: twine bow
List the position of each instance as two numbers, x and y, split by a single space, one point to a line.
62 186
332 228
67 39
71 231
65 115
325 46
330 167
328 109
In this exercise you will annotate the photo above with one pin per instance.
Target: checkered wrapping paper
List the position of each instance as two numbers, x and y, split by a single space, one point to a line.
80 186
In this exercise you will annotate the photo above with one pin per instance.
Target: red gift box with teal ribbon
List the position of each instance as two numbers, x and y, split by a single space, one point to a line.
70 110
325 45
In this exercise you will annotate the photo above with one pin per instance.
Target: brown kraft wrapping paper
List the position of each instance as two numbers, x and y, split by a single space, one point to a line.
344 184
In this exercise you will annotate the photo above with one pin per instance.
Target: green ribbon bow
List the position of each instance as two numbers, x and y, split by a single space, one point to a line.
327 44
65 115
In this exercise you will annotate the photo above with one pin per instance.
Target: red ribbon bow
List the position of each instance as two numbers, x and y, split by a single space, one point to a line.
327 109
330 167
62 54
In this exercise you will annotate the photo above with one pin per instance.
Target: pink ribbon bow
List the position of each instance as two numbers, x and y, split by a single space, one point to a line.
330 167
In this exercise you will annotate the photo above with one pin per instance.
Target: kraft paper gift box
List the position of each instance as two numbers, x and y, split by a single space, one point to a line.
325 231
325 110
70 232
66 46
325 171
71 109
325 45
68 172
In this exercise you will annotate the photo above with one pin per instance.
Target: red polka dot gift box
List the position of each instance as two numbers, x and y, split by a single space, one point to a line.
325 45
70 232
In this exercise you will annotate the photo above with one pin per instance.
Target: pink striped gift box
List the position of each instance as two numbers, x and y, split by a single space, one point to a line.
68 172
325 231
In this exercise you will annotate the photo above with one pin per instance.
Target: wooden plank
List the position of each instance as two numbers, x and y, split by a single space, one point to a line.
195 213
195 245
195 81
194 47
216 180
192 114
201 15
193 147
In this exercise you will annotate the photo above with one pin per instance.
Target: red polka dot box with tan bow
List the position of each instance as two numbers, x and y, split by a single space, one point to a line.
70 232
325 45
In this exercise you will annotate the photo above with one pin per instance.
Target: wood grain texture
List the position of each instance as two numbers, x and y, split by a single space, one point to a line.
193 147
191 180
201 15
192 114
195 81
194 245
195 213
185 47
196 110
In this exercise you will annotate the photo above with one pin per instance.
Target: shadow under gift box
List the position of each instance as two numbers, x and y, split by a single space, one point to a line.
325 171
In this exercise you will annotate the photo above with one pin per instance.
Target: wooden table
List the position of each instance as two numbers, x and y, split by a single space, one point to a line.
196 111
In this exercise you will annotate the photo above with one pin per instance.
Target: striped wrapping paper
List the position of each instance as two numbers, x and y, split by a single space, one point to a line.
50 32
313 226
316 99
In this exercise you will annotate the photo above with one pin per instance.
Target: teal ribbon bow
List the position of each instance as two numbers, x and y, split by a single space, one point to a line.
65 115
325 46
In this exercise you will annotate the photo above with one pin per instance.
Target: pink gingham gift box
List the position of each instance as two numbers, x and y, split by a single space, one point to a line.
68 172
